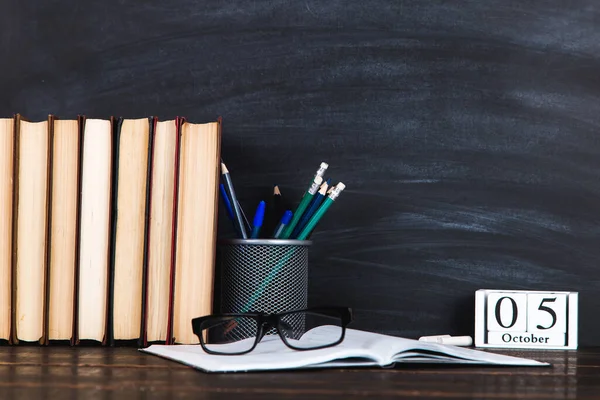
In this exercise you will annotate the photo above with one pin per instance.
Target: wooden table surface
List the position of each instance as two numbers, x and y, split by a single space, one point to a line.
124 373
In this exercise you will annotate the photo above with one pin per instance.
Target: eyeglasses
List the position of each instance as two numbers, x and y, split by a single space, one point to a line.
310 329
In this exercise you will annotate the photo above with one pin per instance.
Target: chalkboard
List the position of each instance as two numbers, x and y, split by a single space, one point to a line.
466 132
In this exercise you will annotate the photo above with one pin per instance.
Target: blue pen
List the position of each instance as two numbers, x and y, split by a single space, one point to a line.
287 217
226 202
312 208
259 217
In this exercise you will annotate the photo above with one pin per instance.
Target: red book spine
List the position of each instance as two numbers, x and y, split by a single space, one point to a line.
170 339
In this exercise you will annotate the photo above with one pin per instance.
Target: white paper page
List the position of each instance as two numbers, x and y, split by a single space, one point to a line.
270 354
461 355
349 363
394 348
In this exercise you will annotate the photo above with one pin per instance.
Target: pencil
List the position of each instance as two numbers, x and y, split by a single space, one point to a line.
248 226
314 220
277 202
274 210
234 202
226 202
302 207
312 208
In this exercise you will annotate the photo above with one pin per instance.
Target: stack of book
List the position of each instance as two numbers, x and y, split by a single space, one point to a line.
107 229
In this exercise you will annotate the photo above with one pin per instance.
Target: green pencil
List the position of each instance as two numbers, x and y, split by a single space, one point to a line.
287 231
306 199
314 220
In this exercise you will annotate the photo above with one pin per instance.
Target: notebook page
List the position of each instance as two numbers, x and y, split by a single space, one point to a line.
458 355
397 349
271 354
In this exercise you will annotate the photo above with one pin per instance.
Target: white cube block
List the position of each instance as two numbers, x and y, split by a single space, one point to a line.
546 312
507 312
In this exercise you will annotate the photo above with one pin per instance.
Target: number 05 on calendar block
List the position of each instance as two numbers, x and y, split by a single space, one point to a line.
526 319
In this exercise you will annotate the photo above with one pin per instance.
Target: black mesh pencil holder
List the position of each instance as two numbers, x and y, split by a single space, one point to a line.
263 275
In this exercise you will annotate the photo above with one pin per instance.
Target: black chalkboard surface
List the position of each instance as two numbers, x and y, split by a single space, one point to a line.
466 132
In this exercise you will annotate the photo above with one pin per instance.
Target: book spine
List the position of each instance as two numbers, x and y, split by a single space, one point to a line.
80 123
13 286
50 146
170 339
116 124
75 340
143 333
216 214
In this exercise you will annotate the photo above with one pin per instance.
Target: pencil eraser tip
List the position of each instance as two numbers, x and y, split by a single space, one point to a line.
341 186
324 165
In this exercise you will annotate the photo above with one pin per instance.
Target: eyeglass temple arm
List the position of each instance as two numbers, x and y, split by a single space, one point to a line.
211 324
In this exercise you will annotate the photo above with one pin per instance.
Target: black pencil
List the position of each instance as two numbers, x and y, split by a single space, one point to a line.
274 210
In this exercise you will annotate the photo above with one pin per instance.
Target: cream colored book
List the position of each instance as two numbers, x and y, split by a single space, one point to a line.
130 218
64 194
31 231
160 230
196 226
95 222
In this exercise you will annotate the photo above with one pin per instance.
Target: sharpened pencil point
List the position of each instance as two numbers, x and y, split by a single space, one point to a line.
323 188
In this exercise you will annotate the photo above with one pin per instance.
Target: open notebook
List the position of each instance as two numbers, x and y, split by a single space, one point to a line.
359 349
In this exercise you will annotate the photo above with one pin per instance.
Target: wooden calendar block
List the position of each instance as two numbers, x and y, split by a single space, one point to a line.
526 319
507 312
545 311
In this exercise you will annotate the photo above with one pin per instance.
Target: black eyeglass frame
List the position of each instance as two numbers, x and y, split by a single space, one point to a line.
266 321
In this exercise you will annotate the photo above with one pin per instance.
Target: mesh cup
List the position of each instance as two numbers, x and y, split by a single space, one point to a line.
266 275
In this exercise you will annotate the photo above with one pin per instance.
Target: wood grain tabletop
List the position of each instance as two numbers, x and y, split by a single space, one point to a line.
28 372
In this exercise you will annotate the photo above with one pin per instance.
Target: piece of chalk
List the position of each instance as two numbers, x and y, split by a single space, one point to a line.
449 340
432 338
